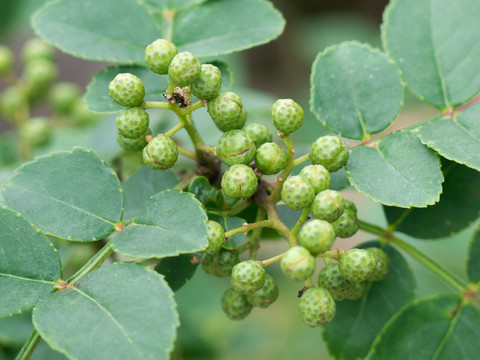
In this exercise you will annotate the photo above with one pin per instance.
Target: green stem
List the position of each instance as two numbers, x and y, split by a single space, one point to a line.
186 152
175 129
271 210
191 108
158 105
271 261
248 227
301 159
95 262
169 15
29 346
243 247
303 217
185 181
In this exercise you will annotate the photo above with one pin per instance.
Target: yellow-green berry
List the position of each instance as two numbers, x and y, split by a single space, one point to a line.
382 264
258 132
317 307
13 103
239 181
266 295
235 305
270 158
132 123
215 236
287 115
159 55
297 263
82 115
236 147
327 205
329 151
6 60
357 264
317 176
209 82
297 193
39 74
37 49
184 69
247 277
63 97
133 144
36 131
127 90
356 291
226 111
331 278
160 153
317 236
220 263
350 205
346 225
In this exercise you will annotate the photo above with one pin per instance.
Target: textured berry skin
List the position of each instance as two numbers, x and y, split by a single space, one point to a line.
160 153
350 205
226 111
317 176
270 158
63 97
127 90
266 295
239 181
132 123
184 69
382 264
258 132
208 83
235 305
236 147
317 236
357 290
297 263
331 278
287 115
329 151
297 193
221 263
37 49
346 225
133 144
357 264
36 131
6 60
216 237
327 205
159 55
39 75
317 307
247 277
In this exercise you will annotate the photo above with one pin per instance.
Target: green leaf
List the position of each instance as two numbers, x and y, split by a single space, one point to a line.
230 223
107 30
158 6
71 195
171 223
29 264
457 208
438 327
386 172
9 149
455 139
14 330
178 270
357 323
435 43
143 184
355 90
473 262
200 187
120 311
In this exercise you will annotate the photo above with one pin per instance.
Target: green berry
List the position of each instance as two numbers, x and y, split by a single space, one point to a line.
287 115
184 69
297 263
36 131
327 205
37 49
346 225
39 74
239 181
317 176
220 263
159 55
258 132
331 278
226 110
208 83
247 277
132 123
350 205
63 97
270 158
216 237
317 236
6 60
329 151
382 264
235 305
13 103
317 307
160 153
297 193
133 144
357 264
236 147
266 295
357 290
127 90
82 115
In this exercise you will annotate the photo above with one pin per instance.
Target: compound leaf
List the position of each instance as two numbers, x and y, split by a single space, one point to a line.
71 195
120 311
473 262
178 270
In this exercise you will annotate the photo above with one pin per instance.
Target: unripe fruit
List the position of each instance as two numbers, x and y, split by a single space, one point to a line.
331 278
382 264
82 115
297 193
13 103
329 151
235 305
327 205
357 264
36 131
258 132
63 97
317 236
226 111
317 307
6 60
127 90
184 69
247 277
215 236
132 123
266 295
133 144
159 55
236 147
297 263
346 225
239 181
160 153
39 74
357 290
209 82
270 158
221 263
37 49
349 205
287 115
317 176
